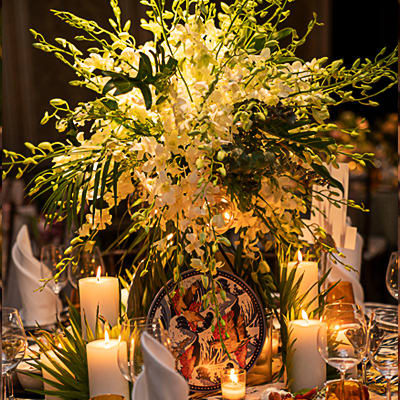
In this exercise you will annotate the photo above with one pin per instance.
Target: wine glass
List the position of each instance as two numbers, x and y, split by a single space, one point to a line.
56 278
85 264
342 337
130 358
13 346
392 275
383 345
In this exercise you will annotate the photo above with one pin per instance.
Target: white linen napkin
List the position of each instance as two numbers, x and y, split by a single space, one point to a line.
36 306
159 380
339 272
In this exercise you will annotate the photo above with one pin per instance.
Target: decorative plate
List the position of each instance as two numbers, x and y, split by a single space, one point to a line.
198 352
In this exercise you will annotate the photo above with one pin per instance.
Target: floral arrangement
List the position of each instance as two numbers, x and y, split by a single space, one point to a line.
207 140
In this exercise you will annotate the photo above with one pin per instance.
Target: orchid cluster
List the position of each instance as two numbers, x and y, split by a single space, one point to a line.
210 136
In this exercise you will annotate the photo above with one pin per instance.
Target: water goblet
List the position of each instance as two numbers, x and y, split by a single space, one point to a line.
85 264
13 346
383 345
130 358
56 278
342 337
392 275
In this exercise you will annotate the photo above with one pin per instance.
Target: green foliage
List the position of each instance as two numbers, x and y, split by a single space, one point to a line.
68 368
123 83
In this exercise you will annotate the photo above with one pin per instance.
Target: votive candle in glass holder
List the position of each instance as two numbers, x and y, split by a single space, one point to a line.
233 384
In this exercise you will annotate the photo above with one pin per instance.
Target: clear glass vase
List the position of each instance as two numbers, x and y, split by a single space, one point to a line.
261 372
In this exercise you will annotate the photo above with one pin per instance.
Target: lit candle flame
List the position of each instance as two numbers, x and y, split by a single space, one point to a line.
299 256
233 376
304 315
98 274
106 337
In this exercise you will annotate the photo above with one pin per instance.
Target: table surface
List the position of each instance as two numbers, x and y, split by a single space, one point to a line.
252 393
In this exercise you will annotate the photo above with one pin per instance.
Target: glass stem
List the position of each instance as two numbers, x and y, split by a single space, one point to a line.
342 377
4 387
388 389
364 370
10 386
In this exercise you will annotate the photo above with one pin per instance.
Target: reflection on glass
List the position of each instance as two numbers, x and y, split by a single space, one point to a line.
383 345
13 346
342 336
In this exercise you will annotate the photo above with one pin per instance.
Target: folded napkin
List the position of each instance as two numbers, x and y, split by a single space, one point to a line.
159 380
339 271
36 306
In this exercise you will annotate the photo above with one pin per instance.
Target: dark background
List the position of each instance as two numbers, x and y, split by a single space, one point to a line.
31 78
352 29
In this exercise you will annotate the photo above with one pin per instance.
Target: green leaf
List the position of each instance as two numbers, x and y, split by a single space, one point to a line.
104 176
145 67
95 186
323 172
171 65
282 33
146 95
110 103
121 85
115 182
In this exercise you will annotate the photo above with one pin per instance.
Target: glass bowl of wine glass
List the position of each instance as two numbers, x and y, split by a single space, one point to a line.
342 337
392 275
383 345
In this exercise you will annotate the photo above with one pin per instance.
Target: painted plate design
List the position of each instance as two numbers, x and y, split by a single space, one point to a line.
198 351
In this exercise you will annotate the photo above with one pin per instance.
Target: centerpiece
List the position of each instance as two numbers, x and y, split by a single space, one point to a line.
207 143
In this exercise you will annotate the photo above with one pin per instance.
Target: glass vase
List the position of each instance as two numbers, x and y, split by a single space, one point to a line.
261 372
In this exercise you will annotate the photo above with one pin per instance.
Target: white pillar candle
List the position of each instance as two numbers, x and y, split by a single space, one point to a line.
45 359
309 283
307 368
105 376
102 292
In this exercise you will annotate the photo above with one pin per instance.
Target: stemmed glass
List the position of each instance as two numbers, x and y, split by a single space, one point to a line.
342 337
13 346
130 358
85 264
50 256
383 345
392 275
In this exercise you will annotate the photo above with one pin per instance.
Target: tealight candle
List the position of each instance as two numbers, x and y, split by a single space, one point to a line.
308 285
305 357
101 292
104 374
233 384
